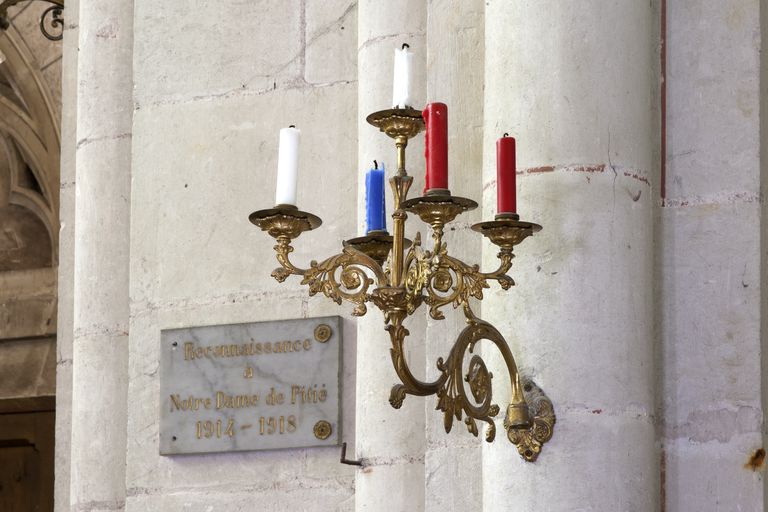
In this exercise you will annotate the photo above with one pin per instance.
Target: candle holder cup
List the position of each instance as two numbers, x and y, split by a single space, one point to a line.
506 232
376 244
285 220
398 276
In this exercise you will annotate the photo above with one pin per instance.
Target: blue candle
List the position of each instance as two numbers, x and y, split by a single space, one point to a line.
374 200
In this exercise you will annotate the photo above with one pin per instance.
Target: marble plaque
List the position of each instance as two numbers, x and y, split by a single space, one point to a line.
257 386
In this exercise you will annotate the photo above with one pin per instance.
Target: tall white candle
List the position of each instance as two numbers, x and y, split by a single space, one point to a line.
287 166
401 85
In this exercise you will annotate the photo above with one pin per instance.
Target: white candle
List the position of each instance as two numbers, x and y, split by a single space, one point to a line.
401 85
287 166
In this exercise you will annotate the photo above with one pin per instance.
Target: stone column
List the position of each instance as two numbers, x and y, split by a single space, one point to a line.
64 333
712 248
101 250
574 82
391 441
455 40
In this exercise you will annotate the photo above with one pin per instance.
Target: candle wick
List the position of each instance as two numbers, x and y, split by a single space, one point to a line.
405 45
506 134
375 164
292 126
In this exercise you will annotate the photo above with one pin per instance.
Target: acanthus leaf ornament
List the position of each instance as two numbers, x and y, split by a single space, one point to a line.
397 276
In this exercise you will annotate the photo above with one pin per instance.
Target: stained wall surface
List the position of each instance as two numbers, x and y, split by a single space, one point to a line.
208 104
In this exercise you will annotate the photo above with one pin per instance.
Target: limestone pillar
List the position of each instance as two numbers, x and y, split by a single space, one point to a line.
574 83
455 77
391 441
101 249
712 267
64 333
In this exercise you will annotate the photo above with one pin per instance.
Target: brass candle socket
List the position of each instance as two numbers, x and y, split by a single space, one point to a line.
437 210
284 221
401 124
376 244
361 273
506 233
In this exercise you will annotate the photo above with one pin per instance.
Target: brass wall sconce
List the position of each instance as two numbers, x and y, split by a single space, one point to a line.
52 16
397 276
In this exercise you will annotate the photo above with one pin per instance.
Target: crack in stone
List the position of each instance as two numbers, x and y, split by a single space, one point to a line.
239 92
387 37
88 140
744 197
100 330
90 506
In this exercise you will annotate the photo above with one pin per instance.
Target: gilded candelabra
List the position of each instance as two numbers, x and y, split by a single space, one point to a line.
397 276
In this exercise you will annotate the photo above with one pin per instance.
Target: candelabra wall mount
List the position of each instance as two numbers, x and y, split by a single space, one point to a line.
397 276
51 17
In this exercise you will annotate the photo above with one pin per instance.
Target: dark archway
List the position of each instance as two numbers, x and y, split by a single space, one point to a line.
29 227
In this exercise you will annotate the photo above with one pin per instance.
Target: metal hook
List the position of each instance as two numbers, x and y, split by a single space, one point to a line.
292 126
405 45
375 164
506 134
344 459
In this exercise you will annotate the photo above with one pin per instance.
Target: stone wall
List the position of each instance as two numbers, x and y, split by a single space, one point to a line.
208 103
710 258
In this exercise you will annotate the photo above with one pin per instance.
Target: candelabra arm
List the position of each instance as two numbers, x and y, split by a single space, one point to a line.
350 284
341 277
283 249
500 274
447 280
409 384
525 430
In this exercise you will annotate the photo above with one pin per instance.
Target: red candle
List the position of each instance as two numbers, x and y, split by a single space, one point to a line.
436 145
506 194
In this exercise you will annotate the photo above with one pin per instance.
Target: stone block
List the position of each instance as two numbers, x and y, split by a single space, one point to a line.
395 20
382 431
567 94
290 494
583 439
211 50
710 321
331 41
200 216
376 485
27 303
101 234
98 405
713 475
713 124
577 318
28 368
453 478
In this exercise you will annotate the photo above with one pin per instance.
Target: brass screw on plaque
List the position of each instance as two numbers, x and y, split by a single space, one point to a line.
322 430
323 333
